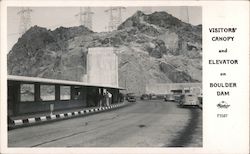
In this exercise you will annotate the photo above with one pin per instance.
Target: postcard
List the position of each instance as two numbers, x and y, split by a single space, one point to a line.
124 76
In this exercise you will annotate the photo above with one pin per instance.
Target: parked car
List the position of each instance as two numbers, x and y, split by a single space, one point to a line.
169 97
152 96
190 99
178 97
144 97
131 97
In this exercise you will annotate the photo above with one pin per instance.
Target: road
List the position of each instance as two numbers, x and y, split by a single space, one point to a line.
153 123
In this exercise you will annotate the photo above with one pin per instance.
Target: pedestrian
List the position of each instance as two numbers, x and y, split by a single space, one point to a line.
110 98
100 100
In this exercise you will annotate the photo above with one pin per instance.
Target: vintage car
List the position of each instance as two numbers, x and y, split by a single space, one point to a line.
178 97
169 97
131 97
152 96
144 97
190 99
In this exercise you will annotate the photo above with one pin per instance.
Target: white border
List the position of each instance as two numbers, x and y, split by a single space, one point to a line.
208 111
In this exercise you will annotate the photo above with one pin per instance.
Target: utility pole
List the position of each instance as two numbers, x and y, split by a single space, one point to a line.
146 10
85 17
115 17
25 19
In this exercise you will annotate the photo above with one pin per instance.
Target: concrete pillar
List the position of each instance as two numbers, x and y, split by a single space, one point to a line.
16 99
102 66
101 97
83 96
37 92
115 95
72 92
57 92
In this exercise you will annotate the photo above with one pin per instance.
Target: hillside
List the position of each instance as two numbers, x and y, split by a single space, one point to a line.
155 48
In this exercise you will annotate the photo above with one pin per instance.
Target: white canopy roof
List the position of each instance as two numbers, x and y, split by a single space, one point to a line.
55 81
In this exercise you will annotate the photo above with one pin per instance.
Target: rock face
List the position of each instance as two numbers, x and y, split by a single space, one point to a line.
43 53
155 48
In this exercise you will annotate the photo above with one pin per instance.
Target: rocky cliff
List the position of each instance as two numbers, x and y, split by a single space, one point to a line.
155 48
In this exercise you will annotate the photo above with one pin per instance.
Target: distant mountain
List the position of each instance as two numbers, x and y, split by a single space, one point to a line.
154 48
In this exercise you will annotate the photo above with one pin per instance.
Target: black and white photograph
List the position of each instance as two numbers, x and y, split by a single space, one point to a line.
124 77
104 76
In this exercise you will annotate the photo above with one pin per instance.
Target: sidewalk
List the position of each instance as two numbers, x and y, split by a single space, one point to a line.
31 119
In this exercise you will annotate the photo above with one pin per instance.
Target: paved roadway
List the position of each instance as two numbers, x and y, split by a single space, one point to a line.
152 123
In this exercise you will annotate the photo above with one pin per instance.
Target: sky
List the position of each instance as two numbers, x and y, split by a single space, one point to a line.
54 17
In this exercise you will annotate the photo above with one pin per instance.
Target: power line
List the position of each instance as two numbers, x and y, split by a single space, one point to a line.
48 27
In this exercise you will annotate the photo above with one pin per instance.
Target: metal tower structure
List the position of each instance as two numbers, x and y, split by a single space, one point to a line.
25 19
184 14
146 10
85 17
115 17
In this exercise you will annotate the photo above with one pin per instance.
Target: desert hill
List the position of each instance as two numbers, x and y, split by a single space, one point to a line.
154 48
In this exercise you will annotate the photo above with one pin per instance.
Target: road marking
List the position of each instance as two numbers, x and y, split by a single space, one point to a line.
18 122
53 116
43 118
62 115
31 120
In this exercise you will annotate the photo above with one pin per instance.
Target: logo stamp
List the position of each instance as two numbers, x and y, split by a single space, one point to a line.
223 105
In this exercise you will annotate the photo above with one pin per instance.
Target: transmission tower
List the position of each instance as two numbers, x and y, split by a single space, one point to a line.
184 14
85 17
146 10
115 17
25 19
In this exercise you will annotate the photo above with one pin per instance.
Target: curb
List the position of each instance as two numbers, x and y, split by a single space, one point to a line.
36 120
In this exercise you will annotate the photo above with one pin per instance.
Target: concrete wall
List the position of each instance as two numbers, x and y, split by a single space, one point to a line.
102 66
34 107
166 88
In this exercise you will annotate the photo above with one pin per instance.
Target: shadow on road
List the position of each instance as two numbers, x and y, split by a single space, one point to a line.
185 137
